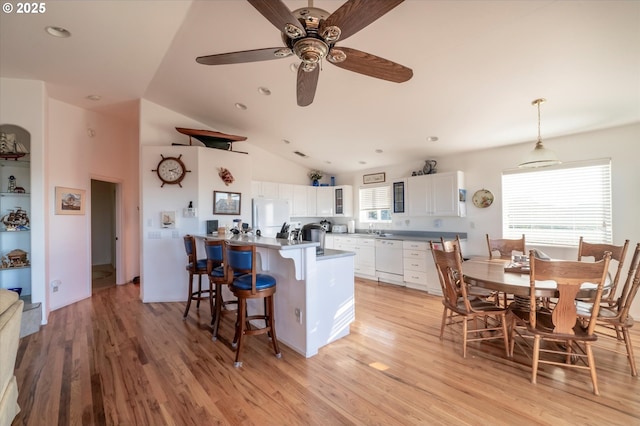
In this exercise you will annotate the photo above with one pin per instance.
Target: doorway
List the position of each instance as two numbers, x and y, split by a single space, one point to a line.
104 247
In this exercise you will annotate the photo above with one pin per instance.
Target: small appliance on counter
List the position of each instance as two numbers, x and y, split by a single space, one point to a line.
339 229
326 224
351 226
314 232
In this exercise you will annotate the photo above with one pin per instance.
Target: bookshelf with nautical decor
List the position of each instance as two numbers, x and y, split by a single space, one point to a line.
15 227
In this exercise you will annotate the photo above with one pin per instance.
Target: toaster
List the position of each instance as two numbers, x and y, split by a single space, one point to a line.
339 229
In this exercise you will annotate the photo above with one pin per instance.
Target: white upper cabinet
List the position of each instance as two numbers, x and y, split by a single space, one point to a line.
312 201
264 189
343 200
324 201
436 195
300 204
308 201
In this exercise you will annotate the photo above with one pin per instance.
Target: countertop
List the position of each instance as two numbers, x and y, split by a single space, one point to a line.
268 242
333 254
405 235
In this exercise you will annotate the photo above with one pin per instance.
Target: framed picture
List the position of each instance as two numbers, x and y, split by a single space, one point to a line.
70 200
226 202
168 219
373 178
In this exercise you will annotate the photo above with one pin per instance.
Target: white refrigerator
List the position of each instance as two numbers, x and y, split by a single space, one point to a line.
268 216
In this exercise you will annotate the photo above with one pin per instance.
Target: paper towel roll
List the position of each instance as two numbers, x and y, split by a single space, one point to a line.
351 226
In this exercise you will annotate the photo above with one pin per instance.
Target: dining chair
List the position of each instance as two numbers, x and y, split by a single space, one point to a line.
505 247
616 317
248 284
459 307
196 267
216 251
573 335
473 290
597 251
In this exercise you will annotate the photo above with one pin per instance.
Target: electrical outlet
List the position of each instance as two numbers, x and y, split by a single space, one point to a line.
55 286
298 314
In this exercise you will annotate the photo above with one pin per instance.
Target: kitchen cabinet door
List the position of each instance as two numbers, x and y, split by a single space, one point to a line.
445 194
436 195
343 201
417 189
324 201
299 202
264 189
399 194
312 195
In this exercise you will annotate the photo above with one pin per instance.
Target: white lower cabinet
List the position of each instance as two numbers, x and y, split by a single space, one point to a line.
365 250
419 268
415 264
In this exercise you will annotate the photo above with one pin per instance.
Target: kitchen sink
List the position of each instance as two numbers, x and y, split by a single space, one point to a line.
384 235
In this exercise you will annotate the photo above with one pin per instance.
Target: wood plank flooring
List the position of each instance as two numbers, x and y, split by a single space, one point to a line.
112 360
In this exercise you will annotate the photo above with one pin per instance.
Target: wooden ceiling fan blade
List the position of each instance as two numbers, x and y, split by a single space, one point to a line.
306 85
278 14
374 66
241 57
354 15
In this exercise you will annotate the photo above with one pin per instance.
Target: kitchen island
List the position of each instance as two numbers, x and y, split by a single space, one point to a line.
314 300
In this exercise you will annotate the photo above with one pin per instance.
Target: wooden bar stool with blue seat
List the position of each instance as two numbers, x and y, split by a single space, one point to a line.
216 251
251 285
195 267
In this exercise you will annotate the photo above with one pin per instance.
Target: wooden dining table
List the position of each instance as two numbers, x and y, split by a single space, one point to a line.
491 274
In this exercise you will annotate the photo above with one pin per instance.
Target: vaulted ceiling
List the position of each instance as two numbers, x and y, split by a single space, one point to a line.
477 65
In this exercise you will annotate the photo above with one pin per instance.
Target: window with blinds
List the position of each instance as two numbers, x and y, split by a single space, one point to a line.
557 205
375 204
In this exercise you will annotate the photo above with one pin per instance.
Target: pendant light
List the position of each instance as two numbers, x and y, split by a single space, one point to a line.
540 156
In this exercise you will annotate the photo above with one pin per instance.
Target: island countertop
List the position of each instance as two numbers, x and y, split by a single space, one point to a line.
268 242
315 297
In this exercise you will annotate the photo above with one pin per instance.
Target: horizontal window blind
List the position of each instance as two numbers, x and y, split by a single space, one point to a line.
375 198
557 205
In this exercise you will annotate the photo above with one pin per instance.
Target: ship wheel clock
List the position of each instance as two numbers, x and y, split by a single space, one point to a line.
171 170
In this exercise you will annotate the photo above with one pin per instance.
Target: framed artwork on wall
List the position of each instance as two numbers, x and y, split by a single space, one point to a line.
70 200
226 202
373 178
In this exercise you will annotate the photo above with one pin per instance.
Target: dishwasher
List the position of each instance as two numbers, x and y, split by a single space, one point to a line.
389 263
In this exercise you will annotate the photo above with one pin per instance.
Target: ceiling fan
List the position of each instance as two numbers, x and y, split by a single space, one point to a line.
311 34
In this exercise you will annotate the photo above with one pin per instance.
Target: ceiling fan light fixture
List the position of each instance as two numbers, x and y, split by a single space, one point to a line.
311 50
336 56
331 34
283 53
293 32
540 156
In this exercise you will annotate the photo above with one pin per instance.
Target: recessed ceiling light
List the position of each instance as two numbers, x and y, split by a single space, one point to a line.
294 67
379 151
241 106
328 162
264 91
432 139
362 162
94 97
286 141
57 31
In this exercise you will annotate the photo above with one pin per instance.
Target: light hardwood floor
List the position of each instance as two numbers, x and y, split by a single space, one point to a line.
114 360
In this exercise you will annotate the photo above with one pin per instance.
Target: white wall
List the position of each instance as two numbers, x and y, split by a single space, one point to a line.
75 156
164 259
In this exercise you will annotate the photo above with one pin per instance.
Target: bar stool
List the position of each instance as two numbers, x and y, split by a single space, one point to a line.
195 267
251 285
216 251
